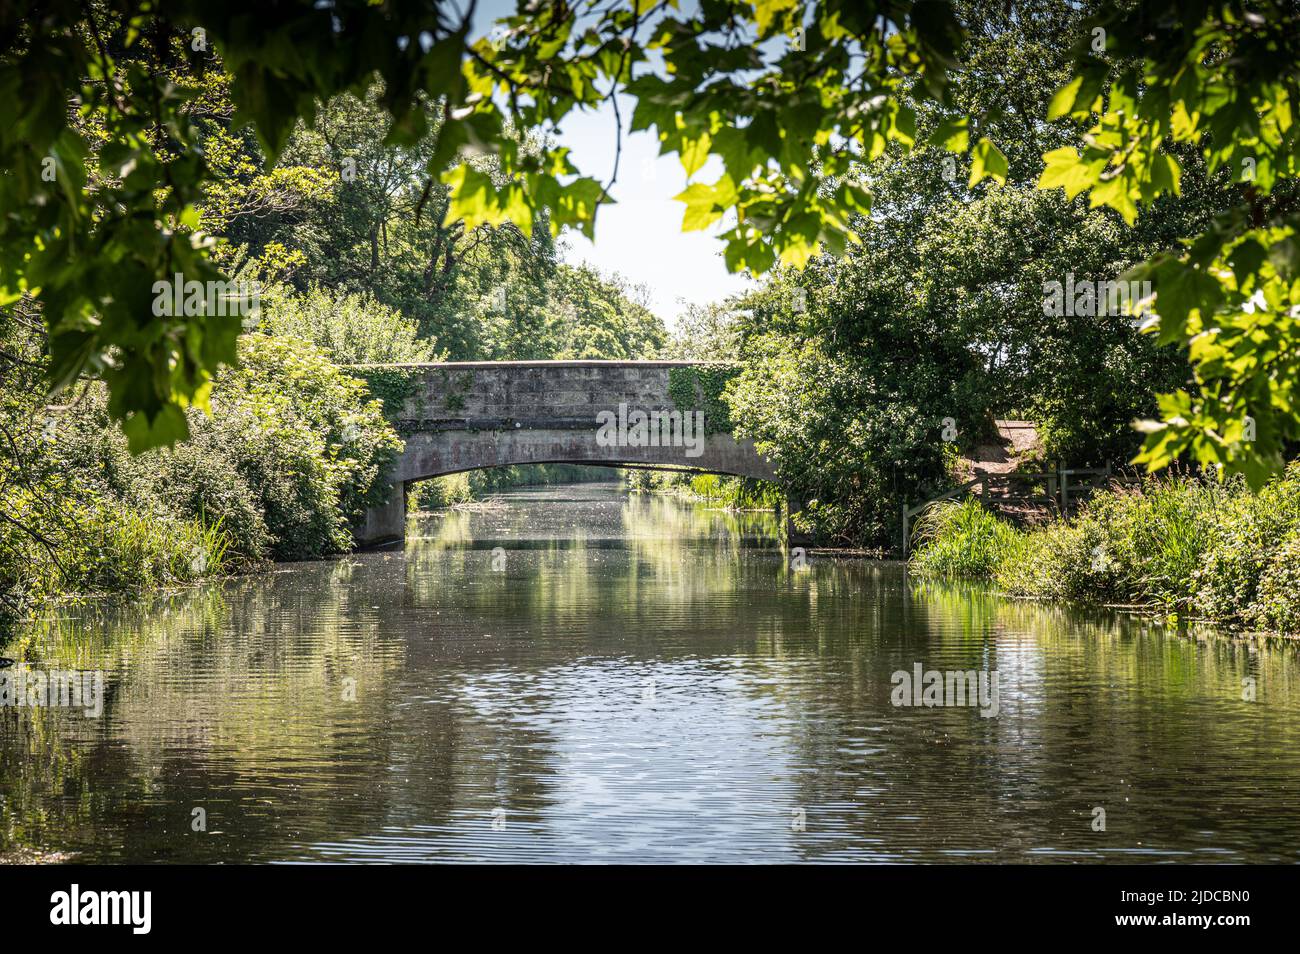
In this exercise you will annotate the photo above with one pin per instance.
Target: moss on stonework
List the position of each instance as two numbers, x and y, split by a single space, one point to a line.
456 389
700 387
393 386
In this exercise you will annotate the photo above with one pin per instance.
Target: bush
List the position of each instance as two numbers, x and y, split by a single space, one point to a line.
116 549
439 492
1277 604
350 328
961 539
1157 534
1063 560
1187 545
286 464
308 441
95 544
1137 545
1249 529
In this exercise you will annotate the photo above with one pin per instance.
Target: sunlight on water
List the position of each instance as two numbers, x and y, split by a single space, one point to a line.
571 674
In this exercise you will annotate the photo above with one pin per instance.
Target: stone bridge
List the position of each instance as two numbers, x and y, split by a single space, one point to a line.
473 414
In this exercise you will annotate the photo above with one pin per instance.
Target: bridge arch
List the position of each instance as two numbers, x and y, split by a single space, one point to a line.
471 415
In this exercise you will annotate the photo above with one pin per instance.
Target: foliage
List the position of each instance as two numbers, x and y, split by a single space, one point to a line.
706 333
1276 607
983 262
961 539
351 328
847 397
1143 545
733 493
701 387
790 98
321 442
97 545
1157 535
754 97
941 312
107 197
1217 78
288 459
1062 560
471 485
602 317
1187 546
439 492
287 462
1249 529
487 293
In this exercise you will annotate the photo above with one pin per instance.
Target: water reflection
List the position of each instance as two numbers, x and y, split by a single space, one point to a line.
574 674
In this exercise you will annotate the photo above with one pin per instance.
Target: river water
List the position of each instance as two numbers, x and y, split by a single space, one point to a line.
574 674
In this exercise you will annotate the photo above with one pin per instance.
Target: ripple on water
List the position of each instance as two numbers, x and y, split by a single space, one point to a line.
644 680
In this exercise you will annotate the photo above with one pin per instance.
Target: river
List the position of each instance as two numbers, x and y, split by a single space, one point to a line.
574 674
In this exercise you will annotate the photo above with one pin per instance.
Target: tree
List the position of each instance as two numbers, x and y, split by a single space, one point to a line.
1216 79
90 248
789 95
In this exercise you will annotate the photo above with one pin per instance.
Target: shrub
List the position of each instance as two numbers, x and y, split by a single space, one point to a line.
1277 603
962 539
350 328
115 549
1065 560
1187 545
1157 534
287 462
1249 528
308 441
439 492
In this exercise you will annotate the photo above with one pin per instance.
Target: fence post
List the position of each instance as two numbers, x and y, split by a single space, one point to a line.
904 530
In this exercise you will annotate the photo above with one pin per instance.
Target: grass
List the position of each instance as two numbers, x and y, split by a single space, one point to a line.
961 538
732 493
102 547
1185 546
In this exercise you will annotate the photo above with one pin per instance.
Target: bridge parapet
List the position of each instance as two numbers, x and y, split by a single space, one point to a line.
453 394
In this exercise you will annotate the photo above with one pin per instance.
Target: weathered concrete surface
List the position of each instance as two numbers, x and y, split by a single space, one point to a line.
386 524
469 415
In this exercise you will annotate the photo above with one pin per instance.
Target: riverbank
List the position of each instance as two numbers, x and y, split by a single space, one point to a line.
474 485
1185 547
283 469
731 493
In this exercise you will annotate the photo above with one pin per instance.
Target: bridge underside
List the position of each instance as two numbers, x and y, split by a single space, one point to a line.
437 453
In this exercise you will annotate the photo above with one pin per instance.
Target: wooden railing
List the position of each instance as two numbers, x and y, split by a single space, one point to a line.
1061 491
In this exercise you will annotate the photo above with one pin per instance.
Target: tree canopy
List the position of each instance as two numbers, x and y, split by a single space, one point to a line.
106 163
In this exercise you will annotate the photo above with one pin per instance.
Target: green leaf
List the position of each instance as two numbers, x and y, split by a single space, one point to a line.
701 207
1066 170
952 134
987 161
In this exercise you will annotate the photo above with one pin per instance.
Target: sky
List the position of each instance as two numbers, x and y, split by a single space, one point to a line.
640 237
